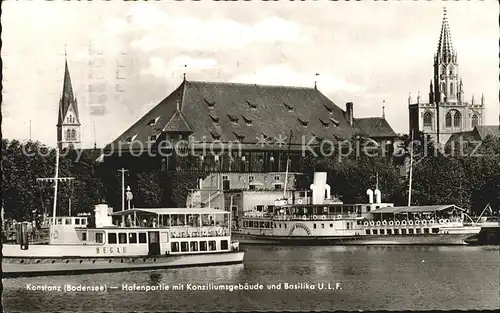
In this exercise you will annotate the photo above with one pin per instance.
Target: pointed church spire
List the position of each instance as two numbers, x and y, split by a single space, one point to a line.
67 97
445 47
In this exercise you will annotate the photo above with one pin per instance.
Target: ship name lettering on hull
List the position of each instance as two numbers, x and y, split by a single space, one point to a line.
110 250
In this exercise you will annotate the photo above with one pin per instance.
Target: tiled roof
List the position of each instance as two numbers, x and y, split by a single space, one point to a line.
374 127
230 111
484 131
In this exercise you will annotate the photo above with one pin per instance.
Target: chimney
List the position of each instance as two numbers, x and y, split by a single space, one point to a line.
349 111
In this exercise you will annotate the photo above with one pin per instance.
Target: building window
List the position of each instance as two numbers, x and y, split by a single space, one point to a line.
278 187
457 119
475 120
448 119
427 119
451 88
331 225
68 134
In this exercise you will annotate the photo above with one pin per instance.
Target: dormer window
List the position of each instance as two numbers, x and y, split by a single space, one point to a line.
233 119
329 109
288 107
247 121
130 139
210 103
335 122
324 123
239 137
302 122
152 138
252 105
215 136
214 119
153 121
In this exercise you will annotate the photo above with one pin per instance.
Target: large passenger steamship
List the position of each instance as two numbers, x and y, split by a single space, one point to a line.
323 221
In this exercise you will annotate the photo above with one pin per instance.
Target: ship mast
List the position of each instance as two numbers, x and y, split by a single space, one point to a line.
287 162
411 167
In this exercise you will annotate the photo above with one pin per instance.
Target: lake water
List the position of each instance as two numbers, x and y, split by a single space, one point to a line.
369 277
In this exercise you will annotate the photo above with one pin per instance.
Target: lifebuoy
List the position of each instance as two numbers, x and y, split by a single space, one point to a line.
372 223
403 223
323 217
397 223
204 232
447 221
432 222
391 223
424 222
441 221
410 222
339 216
315 217
384 223
378 223
417 222
304 217
55 234
365 223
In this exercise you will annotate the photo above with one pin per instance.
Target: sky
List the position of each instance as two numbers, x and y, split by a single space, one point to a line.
125 57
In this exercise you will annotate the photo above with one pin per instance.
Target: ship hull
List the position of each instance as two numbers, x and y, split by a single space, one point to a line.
33 266
438 239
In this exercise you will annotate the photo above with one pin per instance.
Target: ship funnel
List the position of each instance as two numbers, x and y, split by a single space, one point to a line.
103 215
319 187
378 195
369 193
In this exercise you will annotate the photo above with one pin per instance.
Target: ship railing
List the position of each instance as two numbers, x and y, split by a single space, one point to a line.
319 217
193 232
412 222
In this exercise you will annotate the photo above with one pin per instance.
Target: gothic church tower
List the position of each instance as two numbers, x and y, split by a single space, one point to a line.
68 122
447 112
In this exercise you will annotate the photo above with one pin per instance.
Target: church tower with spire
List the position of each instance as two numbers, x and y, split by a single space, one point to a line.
68 121
447 112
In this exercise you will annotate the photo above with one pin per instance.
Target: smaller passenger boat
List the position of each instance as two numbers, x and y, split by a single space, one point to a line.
133 239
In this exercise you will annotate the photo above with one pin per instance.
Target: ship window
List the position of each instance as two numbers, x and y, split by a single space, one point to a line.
418 231
426 230
331 225
84 236
59 221
375 232
122 238
389 232
184 246
284 225
410 231
84 221
142 237
245 223
382 231
251 187
396 232
322 225
348 225
262 225
403 231
367 231
212 246
132 238
278 187
99 238
203 246
268 225
314 226
280 225
77 221
175 247
193 246
111 237
224 245
435 230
